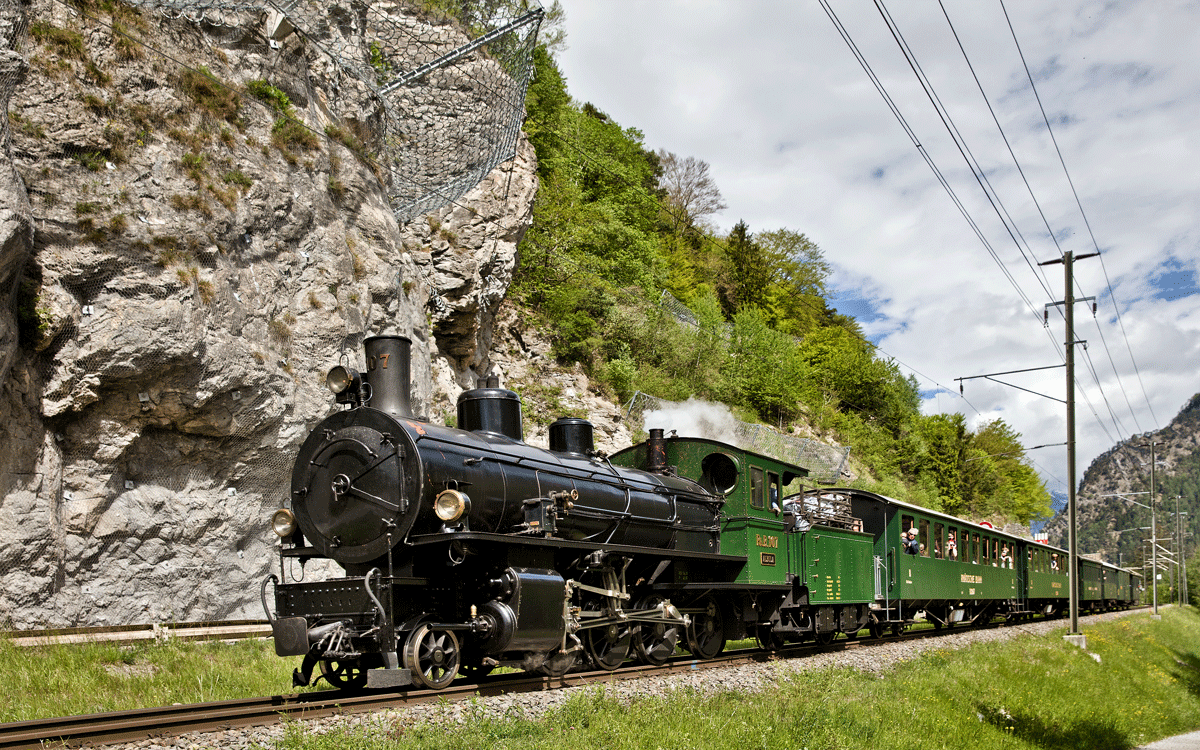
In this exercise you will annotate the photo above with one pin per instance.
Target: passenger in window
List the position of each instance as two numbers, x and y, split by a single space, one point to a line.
1006 560
937 549
1054 562
911 545
952 548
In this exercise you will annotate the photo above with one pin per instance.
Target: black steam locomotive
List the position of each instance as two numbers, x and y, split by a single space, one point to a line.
466 548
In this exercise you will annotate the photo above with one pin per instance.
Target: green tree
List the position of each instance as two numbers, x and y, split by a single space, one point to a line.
795 296
944 438
749 270
764 368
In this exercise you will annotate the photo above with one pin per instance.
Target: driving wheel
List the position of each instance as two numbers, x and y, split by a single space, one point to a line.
609 645
655 642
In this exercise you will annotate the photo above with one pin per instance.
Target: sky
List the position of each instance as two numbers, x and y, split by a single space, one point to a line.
798 137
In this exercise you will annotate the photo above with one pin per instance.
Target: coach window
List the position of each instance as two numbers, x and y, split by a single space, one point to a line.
939 541
952 545
756 487
975 548
923 535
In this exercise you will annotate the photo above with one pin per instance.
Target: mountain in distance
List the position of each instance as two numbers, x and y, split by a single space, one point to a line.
1110 512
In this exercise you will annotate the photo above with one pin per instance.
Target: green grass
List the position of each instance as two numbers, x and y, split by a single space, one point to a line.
1029 692
91 678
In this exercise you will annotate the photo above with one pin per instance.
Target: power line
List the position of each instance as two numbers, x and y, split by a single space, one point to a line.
1082 212
964 151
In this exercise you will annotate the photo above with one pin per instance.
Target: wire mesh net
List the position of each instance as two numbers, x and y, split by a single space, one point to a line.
171 329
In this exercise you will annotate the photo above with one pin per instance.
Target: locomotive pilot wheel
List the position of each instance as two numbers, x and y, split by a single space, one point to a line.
432 656
344 675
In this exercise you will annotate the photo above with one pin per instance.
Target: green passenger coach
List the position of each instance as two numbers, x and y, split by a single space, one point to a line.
812 563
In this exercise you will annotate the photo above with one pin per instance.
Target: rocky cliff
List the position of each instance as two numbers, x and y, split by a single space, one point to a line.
195 227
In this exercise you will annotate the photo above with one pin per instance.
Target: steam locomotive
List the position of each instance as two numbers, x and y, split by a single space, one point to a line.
465 548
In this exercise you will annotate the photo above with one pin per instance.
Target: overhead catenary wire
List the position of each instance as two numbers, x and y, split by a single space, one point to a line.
962 149
977 171
1082 212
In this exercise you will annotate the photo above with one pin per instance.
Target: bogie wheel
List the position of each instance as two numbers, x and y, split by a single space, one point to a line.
654 642
875 628
344 675
706 636
432 656
768 640
825 639
897 629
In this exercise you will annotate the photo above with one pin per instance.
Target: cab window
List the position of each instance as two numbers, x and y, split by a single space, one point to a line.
756 487
773 490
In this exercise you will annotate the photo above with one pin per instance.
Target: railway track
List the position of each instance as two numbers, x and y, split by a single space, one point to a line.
171 721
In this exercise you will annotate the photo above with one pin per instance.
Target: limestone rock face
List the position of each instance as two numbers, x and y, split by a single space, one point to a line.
183 276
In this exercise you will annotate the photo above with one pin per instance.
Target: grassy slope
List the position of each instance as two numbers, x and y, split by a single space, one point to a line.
1030 692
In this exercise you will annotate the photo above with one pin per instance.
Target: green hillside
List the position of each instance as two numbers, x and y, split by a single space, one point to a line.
618 228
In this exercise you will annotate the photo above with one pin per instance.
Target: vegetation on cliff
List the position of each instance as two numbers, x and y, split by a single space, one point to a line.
622 234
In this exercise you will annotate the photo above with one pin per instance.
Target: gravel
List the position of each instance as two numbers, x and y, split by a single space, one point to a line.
878 659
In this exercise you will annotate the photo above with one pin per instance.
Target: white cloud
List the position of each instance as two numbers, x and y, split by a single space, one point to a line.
797 137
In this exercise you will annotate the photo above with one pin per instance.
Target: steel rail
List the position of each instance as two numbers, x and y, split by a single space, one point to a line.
171 721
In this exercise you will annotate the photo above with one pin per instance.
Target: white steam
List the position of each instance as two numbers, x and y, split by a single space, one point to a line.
694 418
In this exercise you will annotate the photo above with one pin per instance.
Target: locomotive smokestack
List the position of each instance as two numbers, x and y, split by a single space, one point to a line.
388 374
656 452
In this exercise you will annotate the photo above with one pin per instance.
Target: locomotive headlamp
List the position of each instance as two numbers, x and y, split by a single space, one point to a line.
450 505
283 522
340 379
